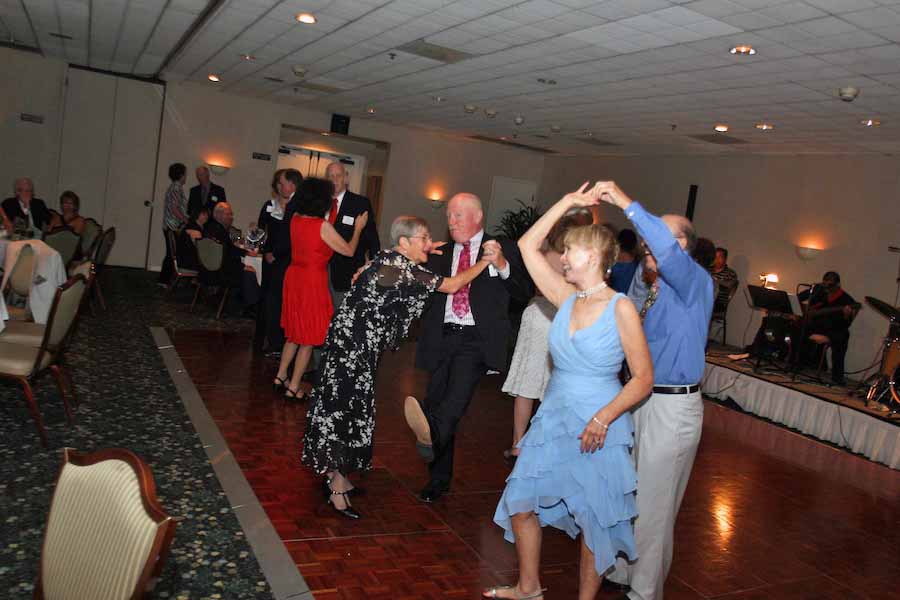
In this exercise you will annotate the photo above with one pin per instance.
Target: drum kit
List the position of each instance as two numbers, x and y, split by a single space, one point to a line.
884 391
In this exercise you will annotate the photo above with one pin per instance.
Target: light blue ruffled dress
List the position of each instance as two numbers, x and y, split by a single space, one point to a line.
593 494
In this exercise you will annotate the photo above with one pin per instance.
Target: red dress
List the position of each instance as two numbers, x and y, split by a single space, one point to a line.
306 302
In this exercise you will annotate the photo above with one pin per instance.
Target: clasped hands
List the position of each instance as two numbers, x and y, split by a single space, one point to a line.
602 191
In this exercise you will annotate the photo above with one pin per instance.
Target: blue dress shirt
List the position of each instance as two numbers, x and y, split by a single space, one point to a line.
677 324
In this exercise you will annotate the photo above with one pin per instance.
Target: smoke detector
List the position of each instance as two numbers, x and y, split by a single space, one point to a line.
848 94
519 119
299 71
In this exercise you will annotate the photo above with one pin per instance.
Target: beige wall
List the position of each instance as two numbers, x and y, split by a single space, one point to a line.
30 84
203 124
760 207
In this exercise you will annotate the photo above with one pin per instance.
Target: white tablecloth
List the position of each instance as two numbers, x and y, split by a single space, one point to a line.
49 274
256 263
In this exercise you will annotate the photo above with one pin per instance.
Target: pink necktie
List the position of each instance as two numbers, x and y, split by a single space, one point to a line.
461 298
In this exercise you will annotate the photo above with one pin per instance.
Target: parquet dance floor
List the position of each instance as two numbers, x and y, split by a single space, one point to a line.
768 513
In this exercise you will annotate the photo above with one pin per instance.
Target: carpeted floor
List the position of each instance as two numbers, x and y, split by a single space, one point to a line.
127 399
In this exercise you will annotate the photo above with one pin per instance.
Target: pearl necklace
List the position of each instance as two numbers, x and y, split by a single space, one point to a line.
590 291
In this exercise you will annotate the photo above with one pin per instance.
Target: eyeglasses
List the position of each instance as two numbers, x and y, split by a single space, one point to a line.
423 237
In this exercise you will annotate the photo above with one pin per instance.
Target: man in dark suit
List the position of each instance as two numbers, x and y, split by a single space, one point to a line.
345 208
205 193
25 207
233 272
463 335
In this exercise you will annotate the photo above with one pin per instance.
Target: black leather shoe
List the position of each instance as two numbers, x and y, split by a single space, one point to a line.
433 491
348 512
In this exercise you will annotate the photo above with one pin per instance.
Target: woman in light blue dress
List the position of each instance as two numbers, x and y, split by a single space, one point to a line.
575 471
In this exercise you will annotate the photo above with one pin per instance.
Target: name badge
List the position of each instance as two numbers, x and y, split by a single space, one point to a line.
492 271
347 220
215 198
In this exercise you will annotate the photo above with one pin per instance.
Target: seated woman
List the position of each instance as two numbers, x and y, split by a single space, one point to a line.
387 295
186 240
69 204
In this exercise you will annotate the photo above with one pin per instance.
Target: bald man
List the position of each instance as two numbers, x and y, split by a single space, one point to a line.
347 206
463 335
667 425
205 193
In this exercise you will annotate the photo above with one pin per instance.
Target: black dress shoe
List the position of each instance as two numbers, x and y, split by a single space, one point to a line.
348 512
433 491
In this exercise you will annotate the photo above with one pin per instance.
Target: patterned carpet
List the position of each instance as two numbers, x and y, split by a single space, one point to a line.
127 399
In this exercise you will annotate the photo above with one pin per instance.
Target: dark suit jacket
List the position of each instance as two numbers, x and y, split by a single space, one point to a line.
489 300
39 211
343 267
195 198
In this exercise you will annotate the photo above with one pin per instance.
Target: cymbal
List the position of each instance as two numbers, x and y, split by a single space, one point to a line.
885 309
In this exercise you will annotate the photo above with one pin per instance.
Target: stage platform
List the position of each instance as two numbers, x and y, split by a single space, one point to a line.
832 414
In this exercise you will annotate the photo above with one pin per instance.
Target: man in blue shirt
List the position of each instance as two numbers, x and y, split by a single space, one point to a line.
667 424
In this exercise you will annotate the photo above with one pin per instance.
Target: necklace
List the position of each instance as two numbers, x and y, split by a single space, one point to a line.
585 293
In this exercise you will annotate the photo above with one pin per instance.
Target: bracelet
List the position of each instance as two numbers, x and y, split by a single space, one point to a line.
599 422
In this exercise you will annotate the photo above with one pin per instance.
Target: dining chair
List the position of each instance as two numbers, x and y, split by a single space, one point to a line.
104 247
89 237
64 241
179 272
19 283
22 361
107 536
211 254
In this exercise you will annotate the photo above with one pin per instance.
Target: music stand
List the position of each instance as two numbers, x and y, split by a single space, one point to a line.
776 303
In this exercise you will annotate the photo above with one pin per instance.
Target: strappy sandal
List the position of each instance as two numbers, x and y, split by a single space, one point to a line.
279 384
294 395
492 593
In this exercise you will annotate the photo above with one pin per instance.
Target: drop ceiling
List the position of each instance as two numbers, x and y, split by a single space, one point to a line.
614 76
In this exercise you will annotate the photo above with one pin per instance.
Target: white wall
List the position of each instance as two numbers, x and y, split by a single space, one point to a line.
204 124
30 84
761 207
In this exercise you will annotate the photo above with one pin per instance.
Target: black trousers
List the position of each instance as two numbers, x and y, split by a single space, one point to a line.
269 333
449 392
168 267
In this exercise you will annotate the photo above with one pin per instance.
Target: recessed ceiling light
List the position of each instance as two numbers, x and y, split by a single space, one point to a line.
371 110
765 126
555 128
721 127
589 133
306 18
213 77
470 108
438 99
248 57
870 122
519 119
503 137
490 113
744 50
325 133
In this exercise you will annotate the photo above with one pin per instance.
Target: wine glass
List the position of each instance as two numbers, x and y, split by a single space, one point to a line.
255 235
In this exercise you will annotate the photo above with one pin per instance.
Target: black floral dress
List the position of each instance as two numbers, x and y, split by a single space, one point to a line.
375 316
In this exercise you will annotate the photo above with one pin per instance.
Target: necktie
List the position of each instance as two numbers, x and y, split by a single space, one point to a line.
461 298
332 215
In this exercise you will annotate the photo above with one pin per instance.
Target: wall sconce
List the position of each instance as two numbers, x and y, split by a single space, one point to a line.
218 169
436 201
768 280
807 253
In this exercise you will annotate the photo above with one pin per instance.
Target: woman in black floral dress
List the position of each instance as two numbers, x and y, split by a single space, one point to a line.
376 315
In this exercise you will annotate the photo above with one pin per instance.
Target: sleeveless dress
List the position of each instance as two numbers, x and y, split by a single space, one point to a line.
306 307
592 494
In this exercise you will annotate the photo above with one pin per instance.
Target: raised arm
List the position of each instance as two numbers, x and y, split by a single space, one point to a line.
7 224
673 264
334 240
637 354
550 282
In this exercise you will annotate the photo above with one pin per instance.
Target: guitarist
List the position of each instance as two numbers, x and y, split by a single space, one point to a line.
829 312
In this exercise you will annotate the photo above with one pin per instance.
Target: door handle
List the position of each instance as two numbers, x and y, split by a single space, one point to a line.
148 203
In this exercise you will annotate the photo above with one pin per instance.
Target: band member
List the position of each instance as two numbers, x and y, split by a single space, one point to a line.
829 313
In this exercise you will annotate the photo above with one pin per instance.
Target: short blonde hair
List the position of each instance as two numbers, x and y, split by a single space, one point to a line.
599 238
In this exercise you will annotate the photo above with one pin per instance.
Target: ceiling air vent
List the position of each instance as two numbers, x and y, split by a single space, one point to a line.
62 36
484 138
319 87
434 52
718 138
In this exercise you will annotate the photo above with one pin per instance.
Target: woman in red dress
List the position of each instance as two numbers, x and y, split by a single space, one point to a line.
306 308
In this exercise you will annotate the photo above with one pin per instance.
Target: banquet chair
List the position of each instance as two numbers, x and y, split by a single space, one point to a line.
89 237
107 537
22 360
19 283
211 254
179 273
104 247
64 241
721 316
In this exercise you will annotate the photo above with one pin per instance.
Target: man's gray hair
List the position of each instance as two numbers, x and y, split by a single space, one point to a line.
407 226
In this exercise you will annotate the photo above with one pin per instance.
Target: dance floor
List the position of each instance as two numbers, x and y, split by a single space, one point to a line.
768 513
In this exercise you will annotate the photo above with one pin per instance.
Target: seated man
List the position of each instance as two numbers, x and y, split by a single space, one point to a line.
31 213
725 278
829 313
233 273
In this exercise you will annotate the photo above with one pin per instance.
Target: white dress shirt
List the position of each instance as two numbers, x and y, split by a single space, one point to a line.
474 248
